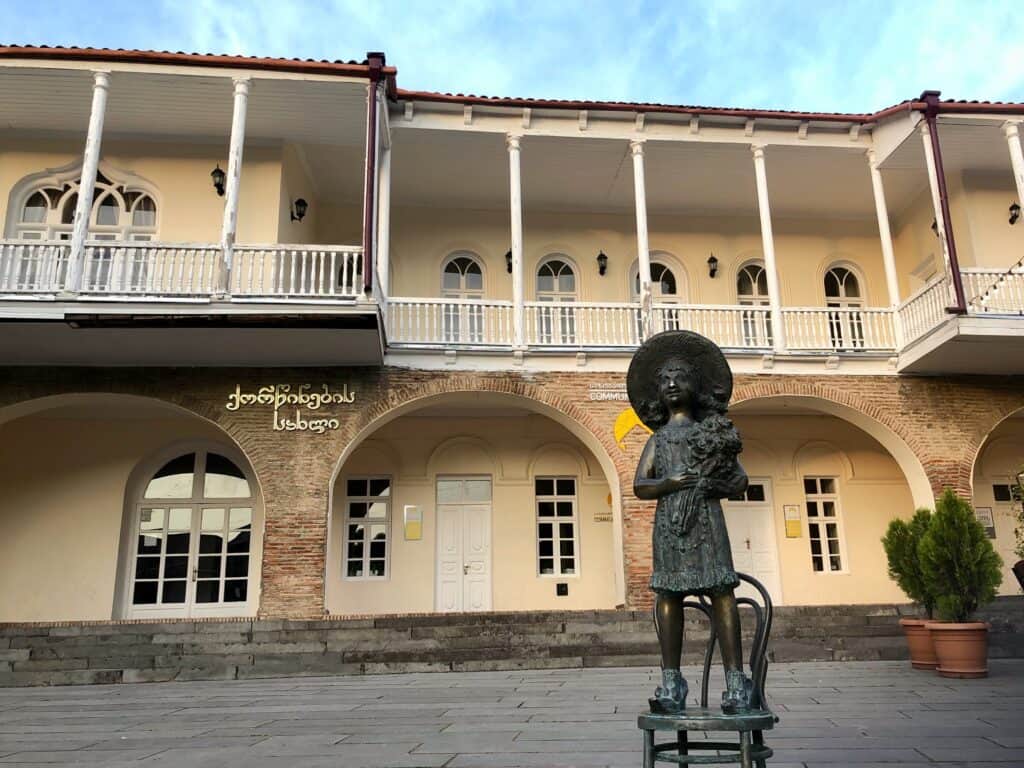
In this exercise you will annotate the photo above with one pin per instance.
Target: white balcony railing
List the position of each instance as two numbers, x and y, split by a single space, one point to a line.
924 309
581 324
996 291
449 321
838 329
729 326
160 271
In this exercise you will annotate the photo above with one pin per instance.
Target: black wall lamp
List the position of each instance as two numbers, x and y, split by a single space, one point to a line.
508 261
602 263
219 179
712 266
299 208
1014 213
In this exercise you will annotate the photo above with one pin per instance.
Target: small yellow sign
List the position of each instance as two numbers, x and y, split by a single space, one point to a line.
792 529
412 522
794 526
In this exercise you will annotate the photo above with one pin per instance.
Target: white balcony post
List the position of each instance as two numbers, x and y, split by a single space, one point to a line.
384 222
230 226
642 243
768 246
1012 131
516 220
933 185
885 235
87 182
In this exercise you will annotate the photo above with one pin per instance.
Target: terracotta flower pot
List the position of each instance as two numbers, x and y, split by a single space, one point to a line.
1018 571
919 640
961 648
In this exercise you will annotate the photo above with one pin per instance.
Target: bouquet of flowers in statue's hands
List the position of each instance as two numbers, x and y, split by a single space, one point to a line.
714 445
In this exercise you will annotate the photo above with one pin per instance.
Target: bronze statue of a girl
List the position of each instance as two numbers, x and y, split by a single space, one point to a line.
679 384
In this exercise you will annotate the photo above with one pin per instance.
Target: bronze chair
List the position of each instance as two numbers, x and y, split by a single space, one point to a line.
749 750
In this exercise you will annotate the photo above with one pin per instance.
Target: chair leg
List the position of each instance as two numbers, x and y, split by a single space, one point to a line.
759 742
648 749
745 752
683 743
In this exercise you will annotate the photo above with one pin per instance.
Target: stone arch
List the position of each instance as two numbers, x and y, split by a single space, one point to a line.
813 449
402 400
979 447
875 418
459 441
564 449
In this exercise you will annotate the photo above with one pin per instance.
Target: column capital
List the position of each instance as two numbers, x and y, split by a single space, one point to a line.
636 146
923 128
512 141
869 153
1011 128
758 150
242 84
101 78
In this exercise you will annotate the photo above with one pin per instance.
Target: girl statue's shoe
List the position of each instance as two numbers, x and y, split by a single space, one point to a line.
670 696
737 693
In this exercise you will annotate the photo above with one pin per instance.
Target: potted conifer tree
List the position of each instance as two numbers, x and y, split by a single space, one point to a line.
1018 531
962 570
901 542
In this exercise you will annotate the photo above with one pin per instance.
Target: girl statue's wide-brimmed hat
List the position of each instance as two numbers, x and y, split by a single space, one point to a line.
711 372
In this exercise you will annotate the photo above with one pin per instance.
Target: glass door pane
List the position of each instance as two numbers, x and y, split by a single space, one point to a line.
162 555
222 569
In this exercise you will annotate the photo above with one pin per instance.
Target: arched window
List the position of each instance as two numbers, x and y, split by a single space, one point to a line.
120 211
192 529
462 281
752 291
665 285
843 292
556 284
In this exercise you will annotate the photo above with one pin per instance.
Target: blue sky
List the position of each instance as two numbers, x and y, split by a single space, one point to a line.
841 56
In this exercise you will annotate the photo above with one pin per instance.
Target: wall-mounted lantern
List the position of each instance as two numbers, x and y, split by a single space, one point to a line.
219 179
712 266
602 263
508 261
1014 212
299 208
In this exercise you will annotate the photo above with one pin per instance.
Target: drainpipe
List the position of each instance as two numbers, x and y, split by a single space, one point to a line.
375 61
931 109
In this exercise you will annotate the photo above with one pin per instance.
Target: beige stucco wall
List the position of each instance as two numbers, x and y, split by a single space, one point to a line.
872 491
64 482
512 449
423 238
995 243
999 461
188 207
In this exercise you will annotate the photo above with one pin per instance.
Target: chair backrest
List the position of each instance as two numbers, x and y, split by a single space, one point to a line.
759 648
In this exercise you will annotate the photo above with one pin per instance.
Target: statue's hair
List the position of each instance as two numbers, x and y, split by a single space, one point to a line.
655 414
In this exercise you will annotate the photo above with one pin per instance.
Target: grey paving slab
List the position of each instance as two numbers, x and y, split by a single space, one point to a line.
855 713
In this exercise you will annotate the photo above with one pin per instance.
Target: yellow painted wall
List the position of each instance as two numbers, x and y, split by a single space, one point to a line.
999 461
295 183
422 239
995 243
62 507
189 209
872 491
512 449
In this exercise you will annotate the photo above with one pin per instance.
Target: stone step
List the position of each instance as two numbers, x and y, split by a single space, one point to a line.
85 653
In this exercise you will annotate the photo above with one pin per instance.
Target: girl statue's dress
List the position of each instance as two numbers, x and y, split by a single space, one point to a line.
691 544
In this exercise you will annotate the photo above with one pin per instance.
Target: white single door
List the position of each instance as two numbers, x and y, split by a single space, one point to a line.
752 537
463 546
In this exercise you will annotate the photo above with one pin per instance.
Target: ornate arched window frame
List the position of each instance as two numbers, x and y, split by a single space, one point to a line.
559 296
462 292
59 186
847 302
674 265
756 299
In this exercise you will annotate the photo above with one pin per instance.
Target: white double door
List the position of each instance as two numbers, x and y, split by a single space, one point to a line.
752 537
463 553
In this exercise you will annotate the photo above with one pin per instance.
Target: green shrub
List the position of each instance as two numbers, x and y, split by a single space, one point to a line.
901 542
960 567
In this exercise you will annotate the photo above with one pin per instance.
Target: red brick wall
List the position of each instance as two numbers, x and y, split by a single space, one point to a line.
944 421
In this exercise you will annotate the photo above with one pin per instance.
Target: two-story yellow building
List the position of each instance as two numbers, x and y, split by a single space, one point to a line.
280 338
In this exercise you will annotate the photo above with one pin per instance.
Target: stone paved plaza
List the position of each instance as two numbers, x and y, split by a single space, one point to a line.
854 713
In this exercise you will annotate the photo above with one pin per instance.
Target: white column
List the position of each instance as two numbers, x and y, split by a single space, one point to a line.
87 182
642 243
384 221
1011 129
230 227
933 184
516 233
768 246
884 232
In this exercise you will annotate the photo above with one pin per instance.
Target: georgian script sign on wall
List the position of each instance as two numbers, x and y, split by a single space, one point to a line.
291 405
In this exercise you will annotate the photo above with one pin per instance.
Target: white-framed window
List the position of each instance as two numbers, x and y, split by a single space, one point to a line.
462 279
120 211
556 284
367 527
1005 493
824 528
752 291
755 493
557 526
193 535
843 291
